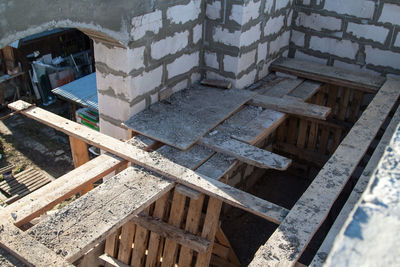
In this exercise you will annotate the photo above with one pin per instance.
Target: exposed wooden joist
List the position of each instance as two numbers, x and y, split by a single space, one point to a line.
327 74
62 188
286 245
171 232
291 105
157 163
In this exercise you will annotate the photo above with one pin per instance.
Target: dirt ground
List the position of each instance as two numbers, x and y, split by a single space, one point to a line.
28 143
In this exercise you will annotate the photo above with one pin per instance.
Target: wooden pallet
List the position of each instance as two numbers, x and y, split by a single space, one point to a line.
23 183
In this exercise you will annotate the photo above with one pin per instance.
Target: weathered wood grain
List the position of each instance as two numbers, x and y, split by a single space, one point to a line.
327 74
244 152
76 228
291 105
293 235
181 120
62 188
158 164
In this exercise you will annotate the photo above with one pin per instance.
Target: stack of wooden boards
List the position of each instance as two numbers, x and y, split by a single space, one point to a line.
146 219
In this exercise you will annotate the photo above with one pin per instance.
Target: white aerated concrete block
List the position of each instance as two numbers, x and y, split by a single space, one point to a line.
371 32
383 58
226 37
390 14
265 69
114 107
298 38
183 64
268 6
251 36
213 11
246 60
357 8
169 45
251 11
119 59
340 48
216 76
318 22
184 13
279 4
236 14
306 57
246 79
262 51
274 25
281 41
197 33
230 64
397 42
119 84
210 60
179 86
146 82
112 130
151 22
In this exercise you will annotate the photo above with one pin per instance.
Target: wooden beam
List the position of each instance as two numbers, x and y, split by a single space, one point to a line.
25 248
47 197
244 152
309 212
327 74
112 261
291 105
157 163
88 220
79 151
174 233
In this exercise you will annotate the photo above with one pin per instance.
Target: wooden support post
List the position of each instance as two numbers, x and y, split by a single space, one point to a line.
80 155
209 229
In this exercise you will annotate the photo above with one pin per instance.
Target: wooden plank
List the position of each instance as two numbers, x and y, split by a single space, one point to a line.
25 248
327 74
158 164
140 244
221 238
262 125
217 83
62 188
111 245
286 246
355 195
80 156
192 226
172 232
244 152
291 105
155 239
211 223
355 105
91 218
282 88
306 90
175 219
217 166
125 243
303 154
204 108
110 261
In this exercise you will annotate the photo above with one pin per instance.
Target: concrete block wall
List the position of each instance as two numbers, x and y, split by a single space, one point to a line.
242 38
356 34
164 56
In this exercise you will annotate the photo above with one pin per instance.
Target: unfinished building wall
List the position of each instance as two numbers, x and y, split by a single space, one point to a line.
163 57
243 37
356 34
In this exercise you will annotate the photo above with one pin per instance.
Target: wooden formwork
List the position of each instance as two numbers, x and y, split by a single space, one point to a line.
170 215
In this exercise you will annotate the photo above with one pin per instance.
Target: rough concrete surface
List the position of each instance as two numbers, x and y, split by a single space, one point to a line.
370 235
